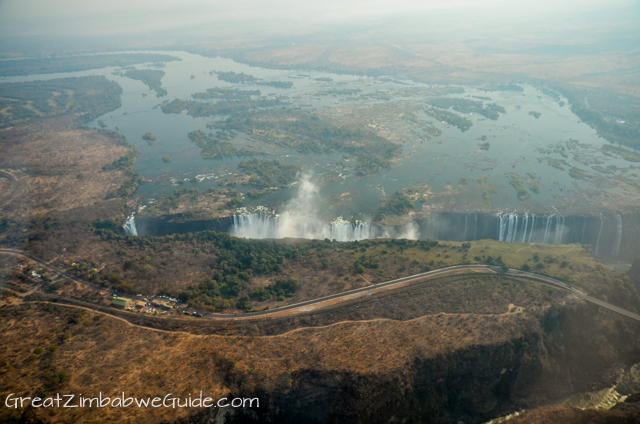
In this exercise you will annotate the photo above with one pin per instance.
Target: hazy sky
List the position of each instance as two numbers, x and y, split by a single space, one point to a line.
64 18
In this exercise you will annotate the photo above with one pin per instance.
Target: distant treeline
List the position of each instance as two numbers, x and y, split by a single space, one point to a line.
151 77
502 87
77 63
89 96
223 107
462 123
615 117
242 78
307 133
269 173
226 93
491 110
218 145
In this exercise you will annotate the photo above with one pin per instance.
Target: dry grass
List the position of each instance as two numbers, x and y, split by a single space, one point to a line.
106 355
58 166
457 63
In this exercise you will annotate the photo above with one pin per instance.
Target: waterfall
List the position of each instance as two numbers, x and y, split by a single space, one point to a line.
546 229
533 223
524 231
259 226
616 243
342 230
129 226
475 228
599 234
510 222
255 226
506 227
584 227
559 229
464 236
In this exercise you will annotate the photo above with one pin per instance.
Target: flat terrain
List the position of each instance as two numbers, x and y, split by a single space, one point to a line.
453 61
57 166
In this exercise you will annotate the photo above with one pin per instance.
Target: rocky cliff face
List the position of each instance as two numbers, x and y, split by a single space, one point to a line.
570 351
470 385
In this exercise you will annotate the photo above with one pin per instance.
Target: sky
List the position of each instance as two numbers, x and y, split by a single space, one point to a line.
99 18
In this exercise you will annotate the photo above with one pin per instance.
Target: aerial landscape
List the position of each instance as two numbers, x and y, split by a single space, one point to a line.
375 212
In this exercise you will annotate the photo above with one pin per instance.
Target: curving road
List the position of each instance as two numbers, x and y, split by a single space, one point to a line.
399 281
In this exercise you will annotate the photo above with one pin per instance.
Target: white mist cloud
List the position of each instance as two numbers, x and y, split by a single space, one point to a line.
300 217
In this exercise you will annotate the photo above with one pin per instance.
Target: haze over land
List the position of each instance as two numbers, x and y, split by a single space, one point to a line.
356 212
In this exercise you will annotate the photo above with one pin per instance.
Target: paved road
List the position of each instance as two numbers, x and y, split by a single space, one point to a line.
404 280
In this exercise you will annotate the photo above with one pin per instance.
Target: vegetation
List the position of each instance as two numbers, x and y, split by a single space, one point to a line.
609 170
579 174
516 182
125 162
236 78
484 146
277 84
535 114
77 63
224 264
149 136
218 146
626 154
242 78
194 204
613 117
89 97
308 133
127 189
266 173
166 158
491 111
151 77
281 289
502 87
534 186
339 92
463 124
556 163
223 107
399 204
226 94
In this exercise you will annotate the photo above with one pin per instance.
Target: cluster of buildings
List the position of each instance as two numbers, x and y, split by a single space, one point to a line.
155 305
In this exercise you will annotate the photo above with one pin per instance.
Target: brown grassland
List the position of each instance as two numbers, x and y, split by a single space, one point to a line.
58 166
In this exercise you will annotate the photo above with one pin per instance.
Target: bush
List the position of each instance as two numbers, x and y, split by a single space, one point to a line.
244 303
282 289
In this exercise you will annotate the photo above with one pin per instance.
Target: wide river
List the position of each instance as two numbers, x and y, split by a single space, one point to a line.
519 142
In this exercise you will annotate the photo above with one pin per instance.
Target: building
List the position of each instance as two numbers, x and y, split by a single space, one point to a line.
159 303
120 302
